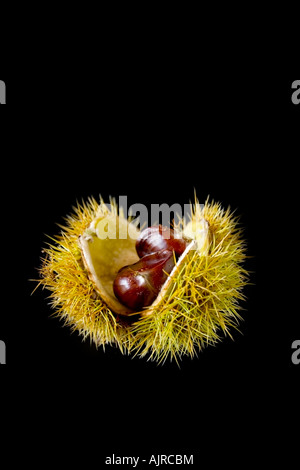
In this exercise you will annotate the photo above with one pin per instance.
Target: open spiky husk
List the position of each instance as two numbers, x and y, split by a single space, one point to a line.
199 304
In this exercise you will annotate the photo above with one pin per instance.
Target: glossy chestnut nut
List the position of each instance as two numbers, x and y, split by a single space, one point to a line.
158 238
138 284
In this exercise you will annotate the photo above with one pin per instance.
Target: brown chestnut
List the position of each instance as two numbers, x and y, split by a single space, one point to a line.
138 284
158 238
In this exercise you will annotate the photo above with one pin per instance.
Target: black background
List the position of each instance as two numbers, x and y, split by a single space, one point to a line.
234 144
153 132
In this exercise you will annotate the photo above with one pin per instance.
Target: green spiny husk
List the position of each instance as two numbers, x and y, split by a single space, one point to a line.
201 306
